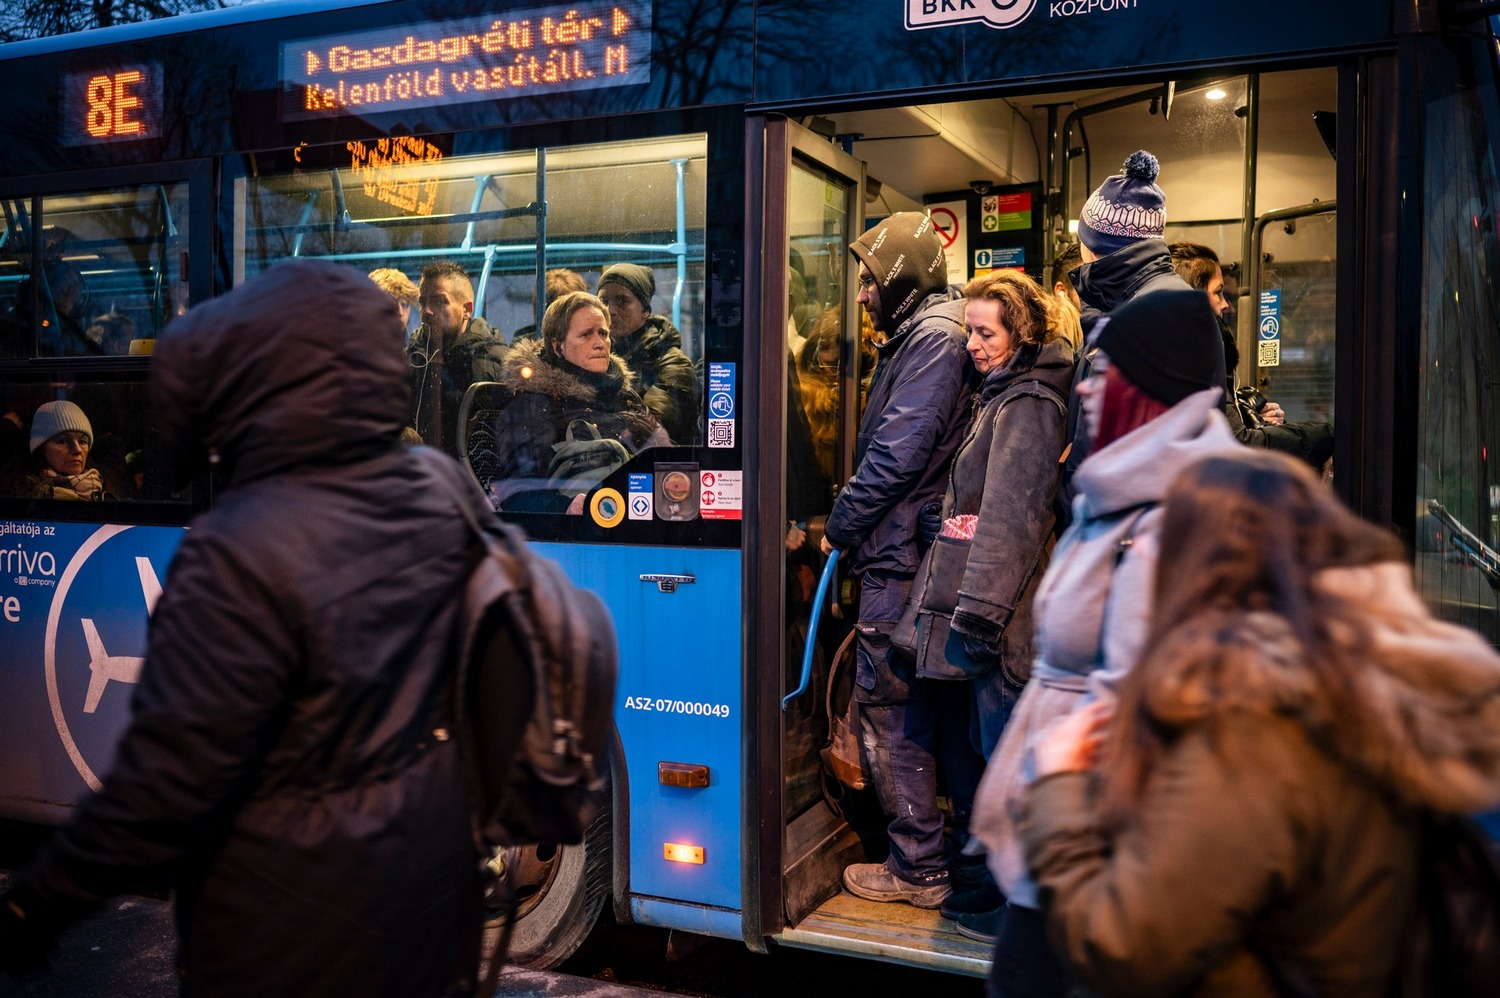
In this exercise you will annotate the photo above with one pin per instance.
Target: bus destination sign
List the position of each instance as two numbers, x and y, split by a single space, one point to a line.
533 52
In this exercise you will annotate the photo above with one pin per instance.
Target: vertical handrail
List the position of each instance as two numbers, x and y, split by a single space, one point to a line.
302 220
539 305
1248 253
340 205
481 182
812 630
680 165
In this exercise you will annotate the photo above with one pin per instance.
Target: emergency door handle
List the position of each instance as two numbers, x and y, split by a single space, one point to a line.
669 583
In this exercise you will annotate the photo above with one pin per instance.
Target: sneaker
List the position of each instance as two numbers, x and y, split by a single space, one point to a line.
981 925
972 900
874 882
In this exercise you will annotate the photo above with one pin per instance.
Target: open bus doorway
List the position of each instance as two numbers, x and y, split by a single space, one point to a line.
1247 173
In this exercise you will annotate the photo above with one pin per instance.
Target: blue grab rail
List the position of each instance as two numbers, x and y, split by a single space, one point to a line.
812 630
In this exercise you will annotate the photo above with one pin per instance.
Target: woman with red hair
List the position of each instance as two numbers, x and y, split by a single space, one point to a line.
1152 404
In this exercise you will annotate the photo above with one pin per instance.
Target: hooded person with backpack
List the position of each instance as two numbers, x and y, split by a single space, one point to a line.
289 771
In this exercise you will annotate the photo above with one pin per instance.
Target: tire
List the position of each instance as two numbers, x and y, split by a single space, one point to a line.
559 894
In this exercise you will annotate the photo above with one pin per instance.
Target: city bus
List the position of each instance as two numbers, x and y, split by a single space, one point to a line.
1337 157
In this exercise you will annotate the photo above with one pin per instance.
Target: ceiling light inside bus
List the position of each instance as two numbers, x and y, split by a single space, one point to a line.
1217 93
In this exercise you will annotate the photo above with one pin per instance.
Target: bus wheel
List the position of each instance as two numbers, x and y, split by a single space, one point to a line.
559 894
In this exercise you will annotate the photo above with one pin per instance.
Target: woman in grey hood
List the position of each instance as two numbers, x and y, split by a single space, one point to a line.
1152 406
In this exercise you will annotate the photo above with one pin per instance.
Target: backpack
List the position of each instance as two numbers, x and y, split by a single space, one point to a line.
583 459
535 773
1453 947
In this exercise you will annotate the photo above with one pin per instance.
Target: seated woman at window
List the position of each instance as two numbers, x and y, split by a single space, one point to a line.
61 438
572 414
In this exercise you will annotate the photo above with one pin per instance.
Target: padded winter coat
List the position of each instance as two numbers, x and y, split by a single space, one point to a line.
1267 856
664 376
913 423
287 768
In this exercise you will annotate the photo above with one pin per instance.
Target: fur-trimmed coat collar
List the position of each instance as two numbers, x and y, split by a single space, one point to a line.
1424 716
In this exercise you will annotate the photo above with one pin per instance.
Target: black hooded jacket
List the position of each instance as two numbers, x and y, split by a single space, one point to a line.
919 399
286 769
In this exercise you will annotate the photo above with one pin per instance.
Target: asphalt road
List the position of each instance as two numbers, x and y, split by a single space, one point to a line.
126 949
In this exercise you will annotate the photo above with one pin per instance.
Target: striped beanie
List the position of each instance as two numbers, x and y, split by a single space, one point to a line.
1127 207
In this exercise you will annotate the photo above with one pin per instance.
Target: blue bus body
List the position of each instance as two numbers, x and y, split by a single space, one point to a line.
735 149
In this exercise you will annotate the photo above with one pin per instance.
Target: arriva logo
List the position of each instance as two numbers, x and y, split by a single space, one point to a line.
101 605
995 13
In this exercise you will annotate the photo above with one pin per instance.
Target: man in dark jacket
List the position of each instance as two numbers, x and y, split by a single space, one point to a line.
453 348
287 770
912 425
1120 240
651 348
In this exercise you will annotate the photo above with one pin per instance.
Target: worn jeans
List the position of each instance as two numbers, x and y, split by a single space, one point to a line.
907 726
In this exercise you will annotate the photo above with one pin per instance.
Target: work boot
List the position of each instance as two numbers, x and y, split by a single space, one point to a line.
874 882
981 925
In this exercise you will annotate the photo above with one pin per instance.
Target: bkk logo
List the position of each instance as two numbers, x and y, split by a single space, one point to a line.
939 13
93 602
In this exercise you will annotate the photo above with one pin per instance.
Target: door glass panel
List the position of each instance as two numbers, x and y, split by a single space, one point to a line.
1298 269
1458 488
817 350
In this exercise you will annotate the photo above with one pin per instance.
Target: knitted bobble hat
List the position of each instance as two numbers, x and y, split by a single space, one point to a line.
57 417
1126 208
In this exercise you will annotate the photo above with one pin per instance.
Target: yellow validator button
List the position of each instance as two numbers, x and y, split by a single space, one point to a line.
677 852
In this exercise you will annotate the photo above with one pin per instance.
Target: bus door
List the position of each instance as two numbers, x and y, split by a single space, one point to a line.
634 507
814 207
818 349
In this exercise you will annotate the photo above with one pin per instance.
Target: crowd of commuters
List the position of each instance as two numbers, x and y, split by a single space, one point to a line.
1144 707
1190 766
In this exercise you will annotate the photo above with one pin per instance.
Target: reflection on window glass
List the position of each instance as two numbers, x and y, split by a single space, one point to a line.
85 441
540 416
92 274
1458 490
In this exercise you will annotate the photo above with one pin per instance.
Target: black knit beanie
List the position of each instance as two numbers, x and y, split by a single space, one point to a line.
1166 343
904 254
636 279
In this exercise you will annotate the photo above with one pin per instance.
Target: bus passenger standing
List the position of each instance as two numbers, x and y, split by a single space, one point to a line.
972 604
1120 242
651 349
914 422
287 769
1151 406
453 349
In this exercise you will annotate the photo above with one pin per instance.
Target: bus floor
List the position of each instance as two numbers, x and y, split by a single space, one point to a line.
896 933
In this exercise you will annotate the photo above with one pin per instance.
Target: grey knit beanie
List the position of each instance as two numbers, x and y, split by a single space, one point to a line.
53 418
